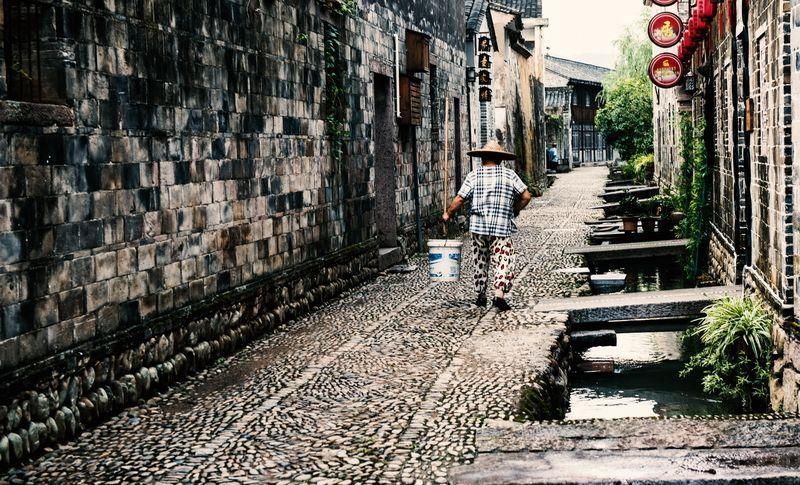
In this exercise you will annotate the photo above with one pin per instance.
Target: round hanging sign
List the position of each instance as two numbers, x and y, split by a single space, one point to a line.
665 29
666 70
665 3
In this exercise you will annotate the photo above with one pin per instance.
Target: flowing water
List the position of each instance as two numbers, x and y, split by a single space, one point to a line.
656 274
645 382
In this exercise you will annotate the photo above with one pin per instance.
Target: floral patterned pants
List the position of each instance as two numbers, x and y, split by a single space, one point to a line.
500 250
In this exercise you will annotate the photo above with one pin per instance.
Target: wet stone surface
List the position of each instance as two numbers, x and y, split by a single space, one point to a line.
388 383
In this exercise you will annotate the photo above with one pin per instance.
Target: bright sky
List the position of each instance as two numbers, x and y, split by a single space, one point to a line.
585 30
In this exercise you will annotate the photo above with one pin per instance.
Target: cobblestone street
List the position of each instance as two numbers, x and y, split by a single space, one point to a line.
386 384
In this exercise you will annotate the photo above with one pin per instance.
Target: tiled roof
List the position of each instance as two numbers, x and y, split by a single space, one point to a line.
475 11
556 98
527 8
574 71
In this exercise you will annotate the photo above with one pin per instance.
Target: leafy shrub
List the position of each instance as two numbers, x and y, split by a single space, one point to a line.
667 203
733 346
628 171
630 206
644 168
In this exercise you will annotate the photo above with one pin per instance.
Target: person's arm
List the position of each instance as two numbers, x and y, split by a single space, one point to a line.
463 194
522 202
457 203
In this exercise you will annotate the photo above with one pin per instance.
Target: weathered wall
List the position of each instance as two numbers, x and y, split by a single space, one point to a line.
190 200
724 127
518 100
770 153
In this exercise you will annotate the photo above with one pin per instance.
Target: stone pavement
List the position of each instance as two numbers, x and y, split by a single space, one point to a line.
388 383
733 449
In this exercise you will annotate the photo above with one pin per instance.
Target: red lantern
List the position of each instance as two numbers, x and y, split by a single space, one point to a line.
688 40
706 9
681 53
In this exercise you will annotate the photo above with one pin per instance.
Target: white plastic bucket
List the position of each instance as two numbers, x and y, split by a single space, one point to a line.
444 256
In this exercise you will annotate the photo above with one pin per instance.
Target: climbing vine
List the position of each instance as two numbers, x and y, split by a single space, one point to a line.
693 192
342 7
335 94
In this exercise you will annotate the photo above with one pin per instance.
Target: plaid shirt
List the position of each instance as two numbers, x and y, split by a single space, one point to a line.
493 191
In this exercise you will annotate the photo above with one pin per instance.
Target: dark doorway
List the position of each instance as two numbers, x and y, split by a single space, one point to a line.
457 148
385 183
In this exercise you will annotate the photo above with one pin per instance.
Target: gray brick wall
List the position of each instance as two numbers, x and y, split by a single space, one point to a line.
198 161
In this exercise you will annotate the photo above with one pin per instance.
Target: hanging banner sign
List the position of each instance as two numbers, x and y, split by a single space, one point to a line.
666 70
665 3
665 29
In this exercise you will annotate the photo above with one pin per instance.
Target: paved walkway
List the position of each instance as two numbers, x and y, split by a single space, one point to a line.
388 383
733 449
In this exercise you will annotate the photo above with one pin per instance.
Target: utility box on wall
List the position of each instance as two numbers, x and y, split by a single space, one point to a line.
410 101
418 47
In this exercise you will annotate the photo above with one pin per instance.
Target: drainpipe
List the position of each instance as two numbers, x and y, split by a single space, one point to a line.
417 210
397 74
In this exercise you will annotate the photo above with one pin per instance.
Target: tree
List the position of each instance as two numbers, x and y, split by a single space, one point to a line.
626 119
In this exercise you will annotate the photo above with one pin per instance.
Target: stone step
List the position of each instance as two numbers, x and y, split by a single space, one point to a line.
756 449
388 257
627 251
670 304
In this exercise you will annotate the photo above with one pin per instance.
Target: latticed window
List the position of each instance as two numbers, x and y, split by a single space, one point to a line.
22 49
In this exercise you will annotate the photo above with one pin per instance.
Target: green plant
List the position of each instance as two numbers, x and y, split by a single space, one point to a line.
342 7
695 179
732 346
626 119
335 91
554 124
630 206
644 168
628 171
666 203
302 39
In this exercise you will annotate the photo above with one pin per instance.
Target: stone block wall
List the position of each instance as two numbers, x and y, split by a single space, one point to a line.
770 151
723 263
183 197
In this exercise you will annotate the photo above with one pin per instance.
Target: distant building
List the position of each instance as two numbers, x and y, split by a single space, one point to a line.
504 53
571 96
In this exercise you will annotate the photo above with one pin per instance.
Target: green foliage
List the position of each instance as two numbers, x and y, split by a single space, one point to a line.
554 125
693 190
644 168
342 7
335 100
348 7
666 203
630 206
730 350
634 51
302 39
626 119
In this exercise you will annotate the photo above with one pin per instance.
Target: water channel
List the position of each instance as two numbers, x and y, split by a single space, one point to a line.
644 382
640 376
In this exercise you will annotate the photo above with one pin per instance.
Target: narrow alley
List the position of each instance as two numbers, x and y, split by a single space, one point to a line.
387 383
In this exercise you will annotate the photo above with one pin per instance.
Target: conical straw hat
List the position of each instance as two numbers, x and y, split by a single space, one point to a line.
492 151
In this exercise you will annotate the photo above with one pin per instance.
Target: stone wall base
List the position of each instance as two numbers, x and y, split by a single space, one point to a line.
548 397
722 260
54 401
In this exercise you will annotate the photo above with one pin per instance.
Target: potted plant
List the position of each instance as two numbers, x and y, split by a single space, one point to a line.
665 210
630 208
649 211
